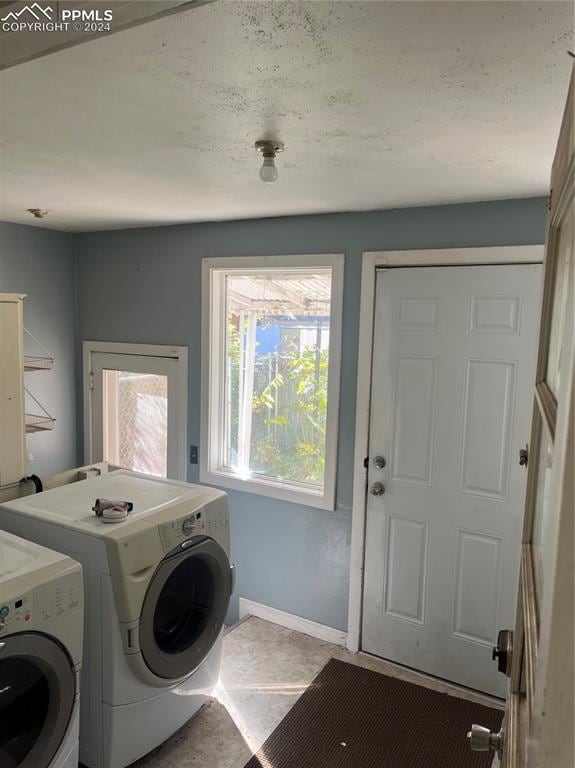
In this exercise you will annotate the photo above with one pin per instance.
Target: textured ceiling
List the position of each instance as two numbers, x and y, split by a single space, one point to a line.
380 104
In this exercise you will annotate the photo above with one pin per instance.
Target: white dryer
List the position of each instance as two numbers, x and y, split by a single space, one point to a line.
157 585
41 625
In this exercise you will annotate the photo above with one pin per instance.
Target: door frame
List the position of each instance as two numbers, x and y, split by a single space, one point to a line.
180 354
371 261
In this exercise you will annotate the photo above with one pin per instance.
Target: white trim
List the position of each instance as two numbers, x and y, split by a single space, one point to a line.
129 348
180 354
506 254
291 621
214 271
371 260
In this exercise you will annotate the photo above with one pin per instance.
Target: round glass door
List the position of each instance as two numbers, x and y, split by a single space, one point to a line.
184 608
37 690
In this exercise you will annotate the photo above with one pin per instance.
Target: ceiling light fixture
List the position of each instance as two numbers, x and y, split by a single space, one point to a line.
269 150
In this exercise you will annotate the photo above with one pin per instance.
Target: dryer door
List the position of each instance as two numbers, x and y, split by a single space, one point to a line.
184 608
37 692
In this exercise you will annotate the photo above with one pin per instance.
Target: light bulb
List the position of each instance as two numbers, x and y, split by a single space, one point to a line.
268 171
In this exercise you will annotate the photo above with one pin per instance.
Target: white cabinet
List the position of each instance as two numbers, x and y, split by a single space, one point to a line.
12 422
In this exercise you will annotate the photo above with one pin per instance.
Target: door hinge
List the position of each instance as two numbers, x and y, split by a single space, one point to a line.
91 380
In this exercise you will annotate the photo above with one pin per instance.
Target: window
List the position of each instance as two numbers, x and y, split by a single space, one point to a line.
270 397
561 282
135 404
554 365
136 421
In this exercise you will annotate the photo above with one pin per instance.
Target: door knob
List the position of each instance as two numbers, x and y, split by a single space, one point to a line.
503 651
379 462
377 489
483 740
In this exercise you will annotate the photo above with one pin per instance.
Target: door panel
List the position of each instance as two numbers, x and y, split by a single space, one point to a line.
453 362
413 427
487 424
406 569
477 586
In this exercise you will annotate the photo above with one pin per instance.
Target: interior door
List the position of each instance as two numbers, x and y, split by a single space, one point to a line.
540 710
453 364
135 419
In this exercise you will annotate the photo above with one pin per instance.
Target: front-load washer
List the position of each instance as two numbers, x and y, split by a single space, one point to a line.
41 624
157 587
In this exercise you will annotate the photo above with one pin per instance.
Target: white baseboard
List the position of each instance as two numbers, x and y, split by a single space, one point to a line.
291 621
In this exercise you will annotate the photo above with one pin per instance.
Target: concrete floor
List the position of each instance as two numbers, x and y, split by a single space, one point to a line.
265 669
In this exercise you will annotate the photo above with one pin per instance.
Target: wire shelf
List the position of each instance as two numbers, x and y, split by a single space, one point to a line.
38 362
38 422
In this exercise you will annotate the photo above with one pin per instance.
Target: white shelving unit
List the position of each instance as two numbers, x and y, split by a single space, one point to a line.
20 411
12 429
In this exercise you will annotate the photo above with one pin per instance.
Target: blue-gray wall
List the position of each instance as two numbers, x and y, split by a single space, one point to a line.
144 286
41 263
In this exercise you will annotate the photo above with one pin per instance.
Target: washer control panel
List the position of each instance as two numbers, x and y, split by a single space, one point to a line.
211 520
46 604
54 601
16 615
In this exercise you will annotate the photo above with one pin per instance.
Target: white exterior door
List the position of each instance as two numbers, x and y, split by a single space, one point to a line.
453 365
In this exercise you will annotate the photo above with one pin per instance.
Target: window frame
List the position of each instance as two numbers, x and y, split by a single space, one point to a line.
214 272
159 351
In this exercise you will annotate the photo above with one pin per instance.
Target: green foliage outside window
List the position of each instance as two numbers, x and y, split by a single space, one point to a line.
289 411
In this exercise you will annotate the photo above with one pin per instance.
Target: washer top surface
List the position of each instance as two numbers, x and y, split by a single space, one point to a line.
19 558
156 500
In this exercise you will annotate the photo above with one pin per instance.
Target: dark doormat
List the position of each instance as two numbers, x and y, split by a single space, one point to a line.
351 717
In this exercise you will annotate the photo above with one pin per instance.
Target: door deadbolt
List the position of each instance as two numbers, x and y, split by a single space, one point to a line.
524 456
503 651
379 462
377 489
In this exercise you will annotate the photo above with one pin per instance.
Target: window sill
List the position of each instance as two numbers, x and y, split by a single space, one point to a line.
267 487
